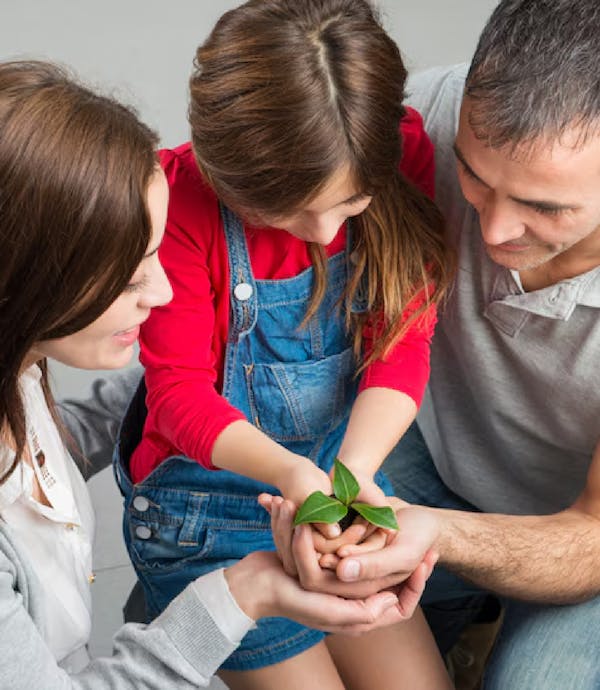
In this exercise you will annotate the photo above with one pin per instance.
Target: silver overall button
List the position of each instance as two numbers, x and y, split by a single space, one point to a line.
243 291
141 503
143 532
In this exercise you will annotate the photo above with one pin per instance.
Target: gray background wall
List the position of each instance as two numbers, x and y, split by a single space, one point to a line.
142 51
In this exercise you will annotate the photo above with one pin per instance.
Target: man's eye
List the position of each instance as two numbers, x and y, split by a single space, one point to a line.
547 210
469 173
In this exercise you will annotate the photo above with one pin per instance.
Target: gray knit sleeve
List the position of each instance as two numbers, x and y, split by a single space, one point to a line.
182 648
93 423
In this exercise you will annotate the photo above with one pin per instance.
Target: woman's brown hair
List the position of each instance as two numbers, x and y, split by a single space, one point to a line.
74 172
286 93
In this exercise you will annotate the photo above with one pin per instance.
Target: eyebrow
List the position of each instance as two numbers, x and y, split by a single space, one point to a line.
532 203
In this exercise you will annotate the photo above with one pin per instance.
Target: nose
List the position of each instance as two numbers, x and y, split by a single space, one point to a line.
326 228
158 291
500 222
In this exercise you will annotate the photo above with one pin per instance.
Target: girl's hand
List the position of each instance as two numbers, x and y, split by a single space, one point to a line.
300 479
360 531
369 491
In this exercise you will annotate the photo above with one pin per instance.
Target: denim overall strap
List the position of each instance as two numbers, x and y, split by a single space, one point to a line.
242 288
295 384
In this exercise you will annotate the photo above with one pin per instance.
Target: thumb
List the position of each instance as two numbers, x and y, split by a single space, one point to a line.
373 565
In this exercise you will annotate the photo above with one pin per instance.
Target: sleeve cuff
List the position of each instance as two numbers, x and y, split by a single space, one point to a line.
213 590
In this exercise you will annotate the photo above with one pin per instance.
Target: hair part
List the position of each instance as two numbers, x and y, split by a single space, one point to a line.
534 75
74 226
284 94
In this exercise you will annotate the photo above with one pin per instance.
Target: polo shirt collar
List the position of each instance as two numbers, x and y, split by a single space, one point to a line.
556 301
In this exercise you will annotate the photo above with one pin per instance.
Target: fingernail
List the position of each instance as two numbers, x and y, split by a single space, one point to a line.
351 570
335 531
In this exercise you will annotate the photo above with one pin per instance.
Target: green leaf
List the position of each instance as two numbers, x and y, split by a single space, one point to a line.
320 508
382 516
345 486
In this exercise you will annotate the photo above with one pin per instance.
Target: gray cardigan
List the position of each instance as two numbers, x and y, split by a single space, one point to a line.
182 648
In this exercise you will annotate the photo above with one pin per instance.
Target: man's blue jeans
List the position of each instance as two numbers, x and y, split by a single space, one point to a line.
538 647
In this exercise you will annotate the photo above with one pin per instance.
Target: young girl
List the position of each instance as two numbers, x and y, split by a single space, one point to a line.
82 211
305 269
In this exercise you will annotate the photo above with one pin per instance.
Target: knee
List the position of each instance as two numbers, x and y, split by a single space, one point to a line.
544 648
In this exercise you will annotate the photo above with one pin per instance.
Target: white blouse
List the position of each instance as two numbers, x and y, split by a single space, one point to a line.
58 537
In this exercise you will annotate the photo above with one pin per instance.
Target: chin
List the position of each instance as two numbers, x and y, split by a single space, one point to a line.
111 361
515 261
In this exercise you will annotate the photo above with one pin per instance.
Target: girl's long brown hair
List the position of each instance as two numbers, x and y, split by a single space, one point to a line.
283 94
74 171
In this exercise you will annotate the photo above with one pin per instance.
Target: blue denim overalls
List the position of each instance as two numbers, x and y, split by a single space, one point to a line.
298 387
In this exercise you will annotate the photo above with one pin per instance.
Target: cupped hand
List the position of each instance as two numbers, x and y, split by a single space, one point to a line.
418 533
299 481
274 593
395 564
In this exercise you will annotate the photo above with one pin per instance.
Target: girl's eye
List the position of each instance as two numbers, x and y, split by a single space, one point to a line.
136 285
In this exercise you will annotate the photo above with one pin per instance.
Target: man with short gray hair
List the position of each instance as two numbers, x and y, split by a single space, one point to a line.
504 453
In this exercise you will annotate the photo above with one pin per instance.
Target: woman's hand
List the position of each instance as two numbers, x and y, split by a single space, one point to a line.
262 588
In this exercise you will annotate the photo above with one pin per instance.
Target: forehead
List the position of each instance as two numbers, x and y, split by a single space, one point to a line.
565 167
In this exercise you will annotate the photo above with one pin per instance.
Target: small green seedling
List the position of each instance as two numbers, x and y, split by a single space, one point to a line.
329 509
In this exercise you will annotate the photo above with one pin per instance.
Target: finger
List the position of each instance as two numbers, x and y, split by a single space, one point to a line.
411 591
281 525
265 500
329 531
373 565
375 542
374 537
430 559
383 611
305 557
329 561
354 534
351 616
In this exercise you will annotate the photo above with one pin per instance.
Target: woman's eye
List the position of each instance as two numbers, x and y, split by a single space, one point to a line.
136 285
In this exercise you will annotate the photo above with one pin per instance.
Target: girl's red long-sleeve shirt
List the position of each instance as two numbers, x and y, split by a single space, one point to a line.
183 343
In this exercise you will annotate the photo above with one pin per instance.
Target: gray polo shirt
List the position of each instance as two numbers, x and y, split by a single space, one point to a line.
511 414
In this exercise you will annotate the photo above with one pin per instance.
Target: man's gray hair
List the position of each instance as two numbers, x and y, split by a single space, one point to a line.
536 73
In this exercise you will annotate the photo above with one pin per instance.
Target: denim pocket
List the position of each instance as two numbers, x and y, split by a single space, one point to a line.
169 531
301 401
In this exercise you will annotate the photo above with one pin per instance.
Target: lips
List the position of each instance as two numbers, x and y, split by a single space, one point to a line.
510 247
128 337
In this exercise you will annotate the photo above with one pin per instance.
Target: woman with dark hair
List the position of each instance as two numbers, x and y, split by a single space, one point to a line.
83 204
306 268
